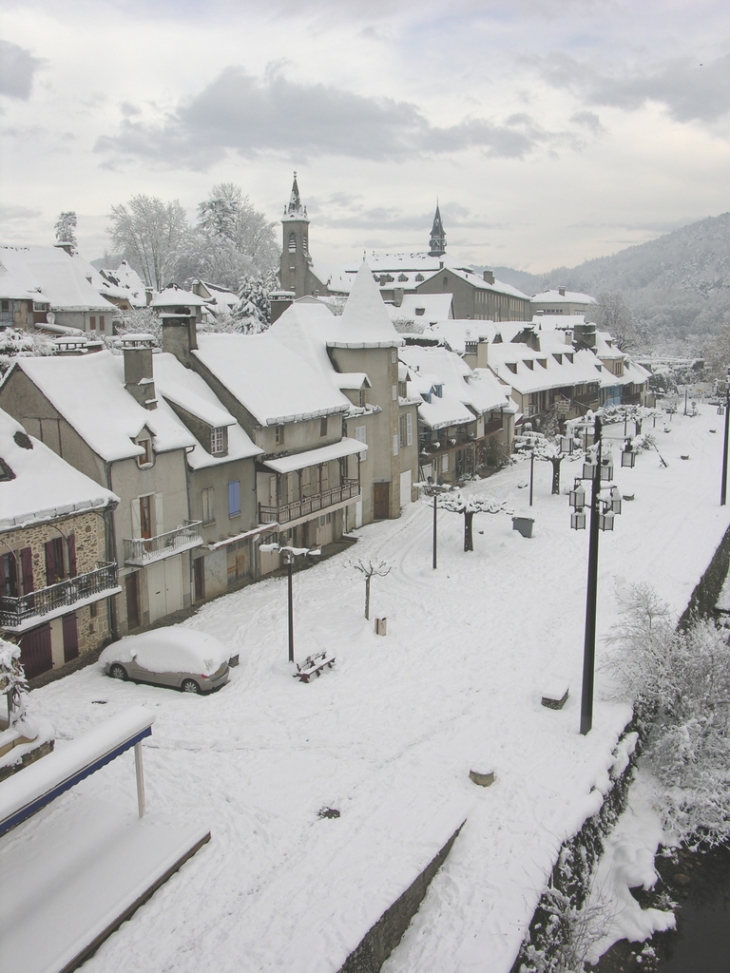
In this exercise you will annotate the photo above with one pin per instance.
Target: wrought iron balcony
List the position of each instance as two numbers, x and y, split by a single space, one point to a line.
286 512
92 586
143 550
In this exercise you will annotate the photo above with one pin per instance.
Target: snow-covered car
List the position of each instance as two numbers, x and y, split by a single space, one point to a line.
179 657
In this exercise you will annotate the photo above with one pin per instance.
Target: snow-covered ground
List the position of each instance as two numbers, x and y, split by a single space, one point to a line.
393 730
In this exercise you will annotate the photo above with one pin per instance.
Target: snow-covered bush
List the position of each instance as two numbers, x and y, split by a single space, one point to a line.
679 679
20 344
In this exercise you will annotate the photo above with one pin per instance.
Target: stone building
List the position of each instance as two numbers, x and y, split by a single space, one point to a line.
58 572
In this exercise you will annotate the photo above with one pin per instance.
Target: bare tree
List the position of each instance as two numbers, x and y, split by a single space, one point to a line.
152 235
370 570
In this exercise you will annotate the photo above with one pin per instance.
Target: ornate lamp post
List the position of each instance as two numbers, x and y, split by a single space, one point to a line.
604 505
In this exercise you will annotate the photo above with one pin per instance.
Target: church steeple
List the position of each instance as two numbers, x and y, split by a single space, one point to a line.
295 210
438 236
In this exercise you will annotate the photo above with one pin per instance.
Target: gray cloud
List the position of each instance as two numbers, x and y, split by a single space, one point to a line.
590 121
17 67
690 90
251 116
22 213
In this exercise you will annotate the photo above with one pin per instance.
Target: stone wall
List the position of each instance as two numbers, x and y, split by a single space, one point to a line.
88 530
705 595
381 940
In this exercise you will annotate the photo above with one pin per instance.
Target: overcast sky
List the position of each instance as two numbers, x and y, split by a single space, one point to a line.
551 131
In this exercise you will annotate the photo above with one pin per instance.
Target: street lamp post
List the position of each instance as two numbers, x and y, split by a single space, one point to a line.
436 489
602 511
290 553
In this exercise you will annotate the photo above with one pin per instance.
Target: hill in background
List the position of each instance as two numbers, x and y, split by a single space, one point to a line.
678 286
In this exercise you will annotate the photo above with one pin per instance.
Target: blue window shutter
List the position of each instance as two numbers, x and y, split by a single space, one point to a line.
234 498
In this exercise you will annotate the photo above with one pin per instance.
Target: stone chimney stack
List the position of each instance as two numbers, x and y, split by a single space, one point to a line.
398 293
138 374
179 334
488 276
561 290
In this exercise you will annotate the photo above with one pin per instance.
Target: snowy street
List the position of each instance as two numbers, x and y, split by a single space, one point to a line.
390 733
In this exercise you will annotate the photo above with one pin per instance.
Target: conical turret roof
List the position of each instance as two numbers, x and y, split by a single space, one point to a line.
365 322
295 210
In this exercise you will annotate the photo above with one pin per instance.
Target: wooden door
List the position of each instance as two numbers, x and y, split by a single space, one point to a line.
70 637
36 653
199 578
132 589
381 501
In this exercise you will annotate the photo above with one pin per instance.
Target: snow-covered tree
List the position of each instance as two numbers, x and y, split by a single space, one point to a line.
615 315
153 235
253 311
138 320
546 449
679 680
219 214
467 505
66 229
13 684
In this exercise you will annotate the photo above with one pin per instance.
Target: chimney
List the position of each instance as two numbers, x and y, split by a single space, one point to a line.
148 292
585 333
65 245
488 276
138 374
179 334
561 290
398 296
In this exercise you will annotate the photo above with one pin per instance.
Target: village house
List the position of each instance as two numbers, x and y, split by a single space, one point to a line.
563 301
52 289
102 414
465 417
303 483
58 569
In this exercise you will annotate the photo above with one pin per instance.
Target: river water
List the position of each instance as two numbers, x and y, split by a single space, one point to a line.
700 884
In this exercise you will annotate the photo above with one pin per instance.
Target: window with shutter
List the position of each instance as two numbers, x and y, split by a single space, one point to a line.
234 498
72 555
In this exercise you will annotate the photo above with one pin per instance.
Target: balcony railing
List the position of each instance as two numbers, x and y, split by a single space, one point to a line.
84 587
309 505
143 550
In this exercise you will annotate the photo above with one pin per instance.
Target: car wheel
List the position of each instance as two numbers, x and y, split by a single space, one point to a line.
190 686
118 672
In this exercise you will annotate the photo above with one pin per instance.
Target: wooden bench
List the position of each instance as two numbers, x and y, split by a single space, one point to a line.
313 665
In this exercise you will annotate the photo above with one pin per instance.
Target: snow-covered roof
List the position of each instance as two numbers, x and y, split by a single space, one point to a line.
88 391
606 347
313 457
426 308
465 394
175 296
527 370
187 390
477 281
365 322
457 332
558 322
123 283
567 297
44 487
268 377
50 274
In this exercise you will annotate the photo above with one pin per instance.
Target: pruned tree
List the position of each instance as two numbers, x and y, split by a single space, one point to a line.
152 235
468 506
545 449
66 229
371 569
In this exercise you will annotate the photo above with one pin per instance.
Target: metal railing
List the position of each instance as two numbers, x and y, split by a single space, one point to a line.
309 505
15 610
142 550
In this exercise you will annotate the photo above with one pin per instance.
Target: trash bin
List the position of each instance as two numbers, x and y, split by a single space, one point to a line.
523 525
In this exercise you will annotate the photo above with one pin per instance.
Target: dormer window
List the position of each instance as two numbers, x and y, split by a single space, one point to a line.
147 457
219 441
529 364
438 390
570 358
512 367
420 277
542 361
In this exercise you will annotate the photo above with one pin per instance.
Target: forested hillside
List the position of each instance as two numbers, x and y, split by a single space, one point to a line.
678 286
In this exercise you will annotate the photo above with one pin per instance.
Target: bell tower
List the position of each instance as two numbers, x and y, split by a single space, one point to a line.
438 236
295 259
